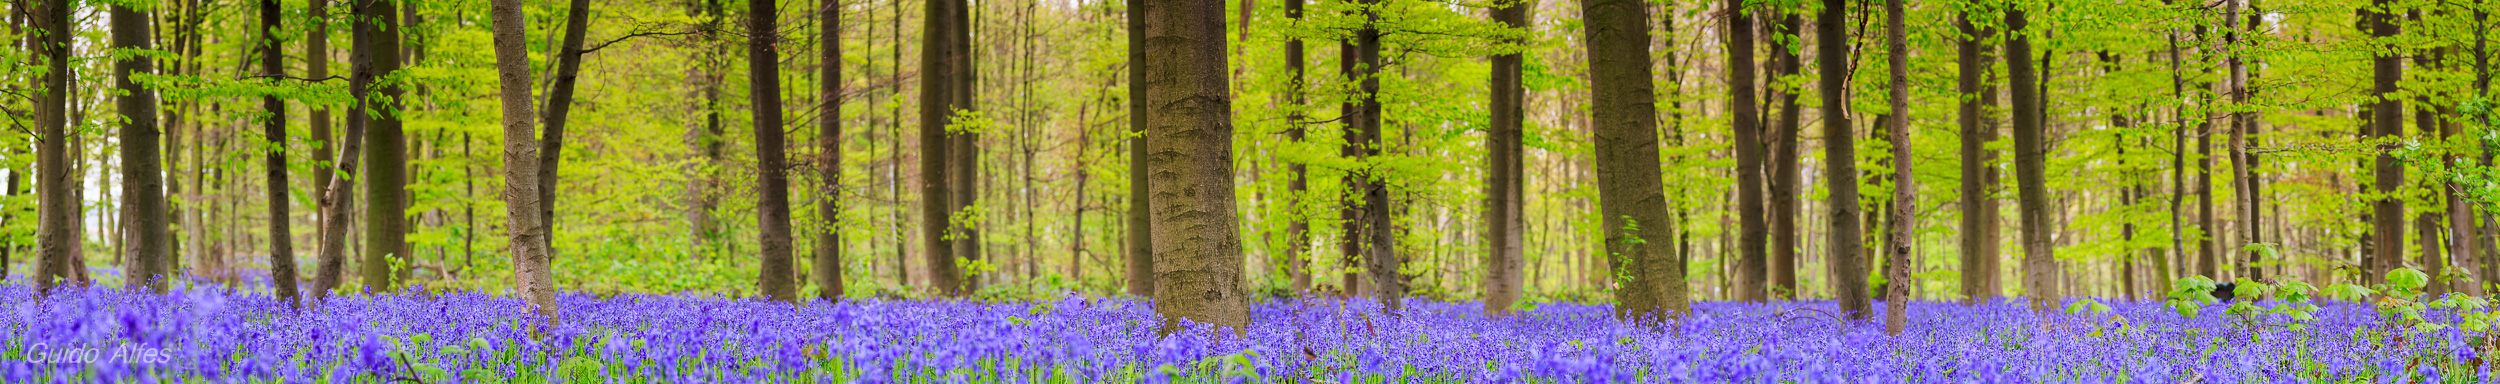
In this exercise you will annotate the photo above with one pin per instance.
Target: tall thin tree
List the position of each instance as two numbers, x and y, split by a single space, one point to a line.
827 266
559 111
1505 187
531 275
2040 269
938 59
143 182
386 179
772 203
1753 261
2387 122
56 215
1904 181
273 128
1141 256
1979 173
1840 152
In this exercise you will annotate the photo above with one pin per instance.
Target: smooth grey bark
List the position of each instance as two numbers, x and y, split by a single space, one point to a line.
1297 234
1505 184
1752 265
1980 261
1198 279
1904 181
1631 194
1141 256
2040 269
1381 261
2386 122
772 202
559 110
56 214
338 198
273 128
938 61
386 179
1787 181
1840 172
827 271
532 278
143 179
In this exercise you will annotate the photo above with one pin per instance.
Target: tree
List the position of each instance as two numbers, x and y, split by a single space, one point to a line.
1505 185
1979 172
338 196
939 59
827 271
773 181
386 179
56 216
1787 175
1904 183
1297 233
1631 196
2387 213
1141 256
2243 129
1379 249
2040 270
1199 276
1840 153
273 128
531 275
1752 261
559 110
143 182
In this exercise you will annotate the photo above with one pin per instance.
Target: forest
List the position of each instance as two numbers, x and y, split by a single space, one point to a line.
1088 190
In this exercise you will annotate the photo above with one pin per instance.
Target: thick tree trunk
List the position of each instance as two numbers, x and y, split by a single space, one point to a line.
531 276
772 203
1904 184
1787 181
1631 196
559 110
56 215
1200 280
2387 122
1752 265
1141 255
1505 185
143 182
964 164
281 239
1840 173
2040 270
386 179
827 271
1979 173
938 59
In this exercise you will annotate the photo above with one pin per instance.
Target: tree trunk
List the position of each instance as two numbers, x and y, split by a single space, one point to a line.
386 180
531 274
1979 173
1141 270
1840 161
559 110
827 271
1298 233
1904 183
964 160
1191 149
2243 131
1380 253
1349 217
2040 269
281 239
938 59
316 66
2387 122
1752 271
1631 196
338 198
1504 189
56 215
143 182
1787 181
772 202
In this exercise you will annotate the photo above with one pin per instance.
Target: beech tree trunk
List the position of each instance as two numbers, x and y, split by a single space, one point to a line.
143 182
938 61
1752 265
1787 181
1298 233
273 128
1904 181
827 271
57 221
772 202
559 110
1980 261
1189 99
1840 172
1381 261
1505 185
2040 269
531 274
1631 194
2387 213
386 180
338 198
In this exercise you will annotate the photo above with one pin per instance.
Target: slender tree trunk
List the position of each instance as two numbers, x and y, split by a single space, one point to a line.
773 183
964 162
2040 270
2178 163
2243 130
1380 254
1787 181
531 276
1141 270
1200 281
1298 233
1840 162
1904 183
1631 195
1505 193
1349 216
559 110
1979 172
338 198
938 59
316 66
2387 122
827 272
1752 273
56 215
281 239
143 183
386 180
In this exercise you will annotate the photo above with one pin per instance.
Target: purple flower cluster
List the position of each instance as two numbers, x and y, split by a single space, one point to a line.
215 334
